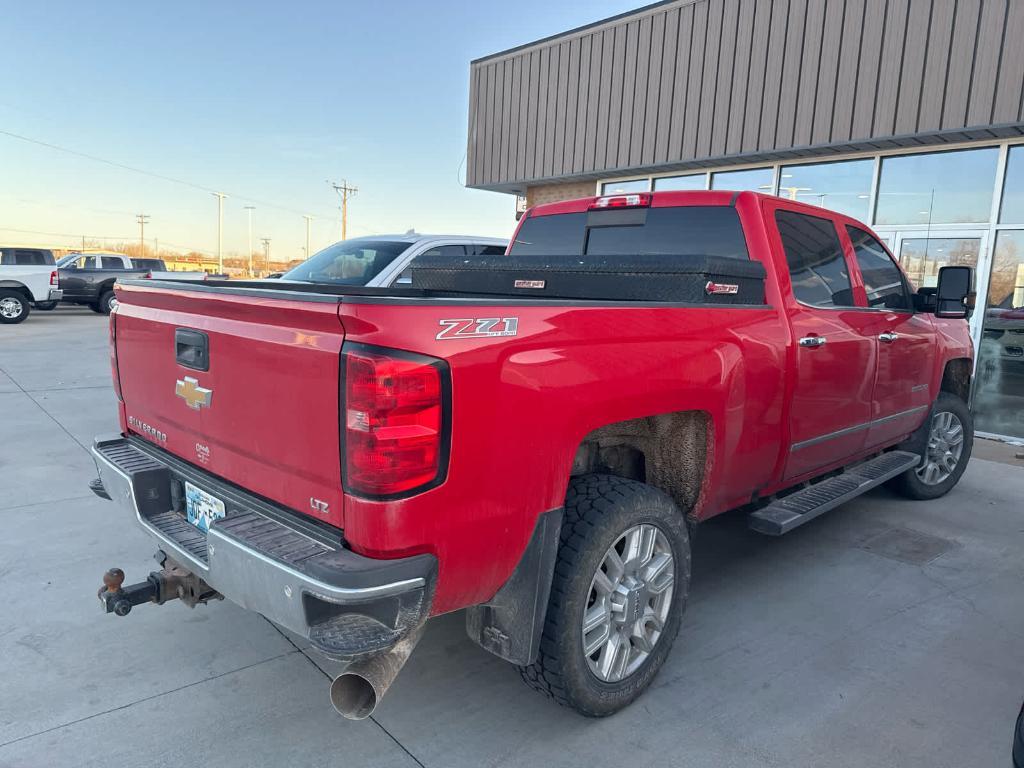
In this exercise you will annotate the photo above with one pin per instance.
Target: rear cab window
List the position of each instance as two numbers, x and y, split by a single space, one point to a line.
703 230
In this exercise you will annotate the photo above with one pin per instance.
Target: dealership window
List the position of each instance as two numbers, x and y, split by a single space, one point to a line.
694 181
999 380
816 265
1012 207
621 187
937 188
752 179
922 257
844 186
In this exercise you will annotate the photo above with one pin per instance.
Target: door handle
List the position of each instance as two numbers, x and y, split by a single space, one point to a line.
888 337
813 341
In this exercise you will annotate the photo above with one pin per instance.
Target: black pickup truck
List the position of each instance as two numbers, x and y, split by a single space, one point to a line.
90 277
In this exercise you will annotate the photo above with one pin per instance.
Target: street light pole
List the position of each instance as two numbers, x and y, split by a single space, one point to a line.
250 209
308 219
220 230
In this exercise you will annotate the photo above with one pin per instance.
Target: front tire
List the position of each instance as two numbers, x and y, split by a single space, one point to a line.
617 597
948 449
14 307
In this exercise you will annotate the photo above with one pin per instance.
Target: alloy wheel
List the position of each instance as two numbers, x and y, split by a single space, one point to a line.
945 447
10 307
628 603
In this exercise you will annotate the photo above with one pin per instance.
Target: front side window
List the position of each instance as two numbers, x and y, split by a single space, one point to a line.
350 262
817 268
883 280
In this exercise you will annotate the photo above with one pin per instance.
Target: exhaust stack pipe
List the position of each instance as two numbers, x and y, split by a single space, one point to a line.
357 691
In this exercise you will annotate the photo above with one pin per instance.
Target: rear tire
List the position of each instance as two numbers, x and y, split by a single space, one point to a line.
14 307
106 303
633 609
947 450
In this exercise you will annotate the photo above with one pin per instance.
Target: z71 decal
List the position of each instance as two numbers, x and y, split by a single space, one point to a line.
481 327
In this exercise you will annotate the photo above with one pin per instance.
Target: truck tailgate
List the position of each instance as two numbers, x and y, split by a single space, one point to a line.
265 413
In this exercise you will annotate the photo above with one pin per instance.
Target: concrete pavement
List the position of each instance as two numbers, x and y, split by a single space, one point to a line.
887 633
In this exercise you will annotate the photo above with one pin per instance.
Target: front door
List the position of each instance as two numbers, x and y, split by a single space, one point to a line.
906 341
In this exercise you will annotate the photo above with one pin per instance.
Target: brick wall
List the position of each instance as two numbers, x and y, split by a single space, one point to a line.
551 193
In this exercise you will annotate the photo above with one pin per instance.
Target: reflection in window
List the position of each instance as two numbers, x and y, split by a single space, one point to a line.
694 181
999 383
622 187
937 188
1012 206
815 258
753 180
844 187
921 257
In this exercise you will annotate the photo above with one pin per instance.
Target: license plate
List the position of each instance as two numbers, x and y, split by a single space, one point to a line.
202 508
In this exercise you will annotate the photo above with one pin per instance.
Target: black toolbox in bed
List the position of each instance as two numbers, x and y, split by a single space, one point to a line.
693 279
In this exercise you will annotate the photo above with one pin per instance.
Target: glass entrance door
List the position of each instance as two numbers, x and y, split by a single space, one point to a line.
922 254
999 373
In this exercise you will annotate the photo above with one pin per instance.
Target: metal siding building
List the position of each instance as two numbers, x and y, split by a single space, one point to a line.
697 83
906 114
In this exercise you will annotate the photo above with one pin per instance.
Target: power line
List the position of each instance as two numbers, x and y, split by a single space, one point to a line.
77 235
143 172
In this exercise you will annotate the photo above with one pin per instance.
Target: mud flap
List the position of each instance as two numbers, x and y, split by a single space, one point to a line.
509 625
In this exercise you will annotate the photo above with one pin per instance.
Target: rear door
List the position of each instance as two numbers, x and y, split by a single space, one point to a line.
835 351
906 341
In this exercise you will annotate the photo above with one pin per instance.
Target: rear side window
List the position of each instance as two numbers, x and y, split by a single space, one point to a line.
27 257
704 230
449 251
479 249
156 264
817 268
883 280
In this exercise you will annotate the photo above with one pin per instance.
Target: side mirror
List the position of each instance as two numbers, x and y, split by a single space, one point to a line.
953 294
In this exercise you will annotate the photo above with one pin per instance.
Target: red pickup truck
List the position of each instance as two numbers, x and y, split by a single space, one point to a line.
531 437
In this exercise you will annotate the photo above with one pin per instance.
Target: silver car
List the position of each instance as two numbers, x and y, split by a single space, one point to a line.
383 260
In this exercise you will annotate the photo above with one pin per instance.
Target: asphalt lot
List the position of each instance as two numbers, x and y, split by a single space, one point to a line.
887 633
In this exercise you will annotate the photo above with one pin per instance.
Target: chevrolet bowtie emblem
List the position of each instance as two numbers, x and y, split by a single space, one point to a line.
195 397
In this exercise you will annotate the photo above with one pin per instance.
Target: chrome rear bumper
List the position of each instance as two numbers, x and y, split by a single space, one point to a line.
266 559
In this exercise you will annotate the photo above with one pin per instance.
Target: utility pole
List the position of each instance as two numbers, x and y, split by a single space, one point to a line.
220 230
266 251
142 219
308 219
344 192
250 209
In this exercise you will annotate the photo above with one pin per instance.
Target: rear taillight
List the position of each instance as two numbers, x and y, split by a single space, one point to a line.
54 279
640 200
114 372
395 421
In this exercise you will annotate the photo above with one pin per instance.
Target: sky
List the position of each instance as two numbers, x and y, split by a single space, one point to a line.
266 102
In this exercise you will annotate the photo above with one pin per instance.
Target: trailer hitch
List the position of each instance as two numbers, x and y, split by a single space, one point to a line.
172 582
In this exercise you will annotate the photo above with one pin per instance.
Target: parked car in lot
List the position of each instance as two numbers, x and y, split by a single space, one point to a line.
88 278
384 260
28 278
529 436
